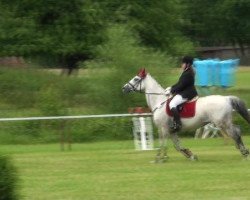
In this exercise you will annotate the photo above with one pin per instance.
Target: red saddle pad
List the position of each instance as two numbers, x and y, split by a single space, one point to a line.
187 109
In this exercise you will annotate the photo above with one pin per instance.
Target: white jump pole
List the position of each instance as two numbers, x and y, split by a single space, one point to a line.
143 133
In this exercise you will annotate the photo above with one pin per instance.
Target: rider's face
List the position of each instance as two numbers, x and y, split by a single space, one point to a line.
183 66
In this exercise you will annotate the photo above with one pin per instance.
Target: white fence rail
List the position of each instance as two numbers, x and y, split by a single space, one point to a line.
77 117
63 118
74 117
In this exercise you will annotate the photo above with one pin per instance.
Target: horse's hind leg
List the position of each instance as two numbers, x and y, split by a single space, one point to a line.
186 152
235 133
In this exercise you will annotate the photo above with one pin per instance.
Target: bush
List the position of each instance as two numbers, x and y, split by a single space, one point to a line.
19 87
100 129
50 101
8 180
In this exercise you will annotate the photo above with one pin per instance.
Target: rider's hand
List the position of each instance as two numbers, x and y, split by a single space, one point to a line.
167 91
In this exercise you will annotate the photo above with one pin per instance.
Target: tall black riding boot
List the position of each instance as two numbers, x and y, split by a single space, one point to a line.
177 121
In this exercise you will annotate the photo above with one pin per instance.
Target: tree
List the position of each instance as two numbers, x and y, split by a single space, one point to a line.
68 31
235 22
218 22
200 24
158 23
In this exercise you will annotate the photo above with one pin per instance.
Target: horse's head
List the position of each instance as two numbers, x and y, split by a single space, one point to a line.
136 83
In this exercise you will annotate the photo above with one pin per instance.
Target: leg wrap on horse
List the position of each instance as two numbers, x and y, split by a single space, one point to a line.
186 152
244 152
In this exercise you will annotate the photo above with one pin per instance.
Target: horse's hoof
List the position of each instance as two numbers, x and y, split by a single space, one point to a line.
194 158
160 160
164 159
155 161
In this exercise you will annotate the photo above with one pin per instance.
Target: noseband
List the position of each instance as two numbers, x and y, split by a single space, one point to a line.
136 83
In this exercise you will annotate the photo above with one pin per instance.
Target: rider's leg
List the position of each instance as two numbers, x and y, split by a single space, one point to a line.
177 100
177 121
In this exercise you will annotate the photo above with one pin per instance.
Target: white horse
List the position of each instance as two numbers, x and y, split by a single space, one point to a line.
214 109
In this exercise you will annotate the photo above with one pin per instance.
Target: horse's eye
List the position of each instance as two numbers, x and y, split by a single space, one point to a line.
136 79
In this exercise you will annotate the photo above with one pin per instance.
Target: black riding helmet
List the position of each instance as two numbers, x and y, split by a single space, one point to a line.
187 60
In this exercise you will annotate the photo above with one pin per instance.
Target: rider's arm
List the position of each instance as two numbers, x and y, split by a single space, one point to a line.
184 82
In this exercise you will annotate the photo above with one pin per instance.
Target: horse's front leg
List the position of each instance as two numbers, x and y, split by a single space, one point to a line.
186 152
161 155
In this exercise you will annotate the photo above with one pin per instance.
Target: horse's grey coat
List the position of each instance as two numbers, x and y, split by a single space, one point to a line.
215 109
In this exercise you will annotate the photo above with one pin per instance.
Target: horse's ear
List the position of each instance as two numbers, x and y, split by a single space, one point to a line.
142 73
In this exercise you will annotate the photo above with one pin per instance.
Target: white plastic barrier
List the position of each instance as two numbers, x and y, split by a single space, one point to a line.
143 133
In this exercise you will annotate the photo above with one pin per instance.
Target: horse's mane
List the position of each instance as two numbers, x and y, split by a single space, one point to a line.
155 82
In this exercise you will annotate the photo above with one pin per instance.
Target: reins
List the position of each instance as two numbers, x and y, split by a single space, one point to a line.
153 93
157 107
148 93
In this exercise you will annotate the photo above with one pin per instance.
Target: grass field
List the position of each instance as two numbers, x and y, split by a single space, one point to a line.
115 171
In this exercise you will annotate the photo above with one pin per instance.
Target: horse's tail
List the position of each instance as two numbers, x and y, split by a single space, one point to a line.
239 105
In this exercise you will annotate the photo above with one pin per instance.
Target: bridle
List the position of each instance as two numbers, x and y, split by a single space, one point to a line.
140 90
133 86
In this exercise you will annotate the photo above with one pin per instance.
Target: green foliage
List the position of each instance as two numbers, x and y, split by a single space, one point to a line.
19 87
100 129
97 90
217 22
32 88
35 92
119 37
8 179
45 28
123 56
56 31
159 26
50 101
236 26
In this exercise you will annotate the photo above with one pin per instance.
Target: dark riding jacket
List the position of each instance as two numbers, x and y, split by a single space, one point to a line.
185 85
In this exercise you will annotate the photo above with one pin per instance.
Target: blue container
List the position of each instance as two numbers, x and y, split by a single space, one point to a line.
227 72
213 72
235 63
201 69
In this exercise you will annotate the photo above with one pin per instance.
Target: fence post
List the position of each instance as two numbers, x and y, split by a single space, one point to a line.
68 135
62 136
142 130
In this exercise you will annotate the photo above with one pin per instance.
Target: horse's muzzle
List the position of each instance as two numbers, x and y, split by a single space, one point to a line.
126 89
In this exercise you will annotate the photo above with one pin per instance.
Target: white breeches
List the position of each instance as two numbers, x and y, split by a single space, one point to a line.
177 100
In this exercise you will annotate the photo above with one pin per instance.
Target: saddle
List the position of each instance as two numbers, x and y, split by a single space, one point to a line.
186 110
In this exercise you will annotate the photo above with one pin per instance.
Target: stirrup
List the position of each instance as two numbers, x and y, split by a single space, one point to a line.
175 127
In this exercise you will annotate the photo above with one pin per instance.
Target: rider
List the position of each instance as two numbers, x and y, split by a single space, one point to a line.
183 90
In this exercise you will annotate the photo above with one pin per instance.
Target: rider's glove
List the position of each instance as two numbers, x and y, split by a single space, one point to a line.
167 91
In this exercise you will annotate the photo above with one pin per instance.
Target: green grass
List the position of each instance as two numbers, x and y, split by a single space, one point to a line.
115 171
